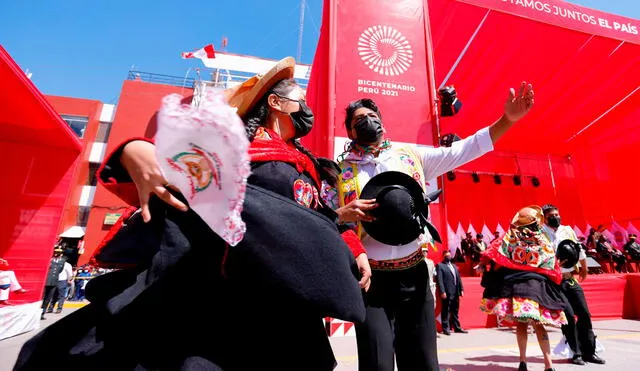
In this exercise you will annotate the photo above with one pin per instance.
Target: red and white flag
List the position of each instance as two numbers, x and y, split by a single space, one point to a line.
205 53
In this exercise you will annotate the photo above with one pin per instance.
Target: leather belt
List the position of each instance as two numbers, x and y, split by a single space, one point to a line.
406 262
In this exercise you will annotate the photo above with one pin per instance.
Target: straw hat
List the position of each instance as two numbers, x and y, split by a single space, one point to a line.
245 96
528 215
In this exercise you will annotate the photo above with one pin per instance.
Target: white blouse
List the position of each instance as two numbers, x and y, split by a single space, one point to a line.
435 161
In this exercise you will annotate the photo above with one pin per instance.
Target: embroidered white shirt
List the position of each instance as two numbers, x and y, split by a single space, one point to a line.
435 161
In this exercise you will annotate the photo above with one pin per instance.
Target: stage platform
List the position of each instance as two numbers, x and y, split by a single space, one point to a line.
610 296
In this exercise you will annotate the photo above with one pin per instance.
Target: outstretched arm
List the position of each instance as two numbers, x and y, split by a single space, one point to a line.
437 161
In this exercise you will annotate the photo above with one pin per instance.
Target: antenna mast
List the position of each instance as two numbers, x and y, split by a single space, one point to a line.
303 5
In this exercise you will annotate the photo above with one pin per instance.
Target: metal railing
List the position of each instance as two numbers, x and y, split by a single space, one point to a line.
156 78
217 78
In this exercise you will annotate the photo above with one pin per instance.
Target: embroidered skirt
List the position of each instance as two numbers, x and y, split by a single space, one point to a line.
523 310
523 297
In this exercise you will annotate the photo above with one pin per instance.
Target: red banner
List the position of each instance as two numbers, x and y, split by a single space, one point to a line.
376 51
381 54
564 14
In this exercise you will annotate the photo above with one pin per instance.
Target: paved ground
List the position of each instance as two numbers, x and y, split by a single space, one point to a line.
480 350
496 349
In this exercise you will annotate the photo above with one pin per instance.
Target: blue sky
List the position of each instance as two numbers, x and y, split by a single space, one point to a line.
83 48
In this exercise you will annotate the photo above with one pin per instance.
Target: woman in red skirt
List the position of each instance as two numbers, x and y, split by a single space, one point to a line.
521 282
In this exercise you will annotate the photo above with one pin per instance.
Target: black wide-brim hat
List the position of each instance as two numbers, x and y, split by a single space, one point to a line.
403 209
570 251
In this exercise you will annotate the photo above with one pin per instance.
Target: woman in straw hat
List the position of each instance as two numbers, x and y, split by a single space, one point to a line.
257 305
521 284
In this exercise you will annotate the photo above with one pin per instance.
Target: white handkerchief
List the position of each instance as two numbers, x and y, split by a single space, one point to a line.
203 152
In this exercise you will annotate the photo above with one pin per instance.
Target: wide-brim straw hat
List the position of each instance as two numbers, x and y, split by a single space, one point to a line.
246 95
526 217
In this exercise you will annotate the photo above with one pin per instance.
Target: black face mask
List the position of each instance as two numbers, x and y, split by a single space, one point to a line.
447 259
368 130
553 221
302 120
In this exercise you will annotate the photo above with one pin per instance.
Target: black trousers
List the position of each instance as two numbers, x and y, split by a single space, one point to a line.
47 298
450 308
401 320
579 333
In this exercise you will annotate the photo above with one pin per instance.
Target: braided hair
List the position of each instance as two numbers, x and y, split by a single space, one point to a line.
259 116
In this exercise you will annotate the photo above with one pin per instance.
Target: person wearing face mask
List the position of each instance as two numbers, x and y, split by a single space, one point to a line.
579 334
290 234
390 332
451 290
56 265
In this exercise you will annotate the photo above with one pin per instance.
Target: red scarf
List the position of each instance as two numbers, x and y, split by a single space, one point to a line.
271 147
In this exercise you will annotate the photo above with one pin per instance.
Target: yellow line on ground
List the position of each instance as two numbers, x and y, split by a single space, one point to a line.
79 304
505 346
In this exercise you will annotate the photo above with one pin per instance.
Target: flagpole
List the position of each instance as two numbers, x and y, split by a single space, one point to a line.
303 4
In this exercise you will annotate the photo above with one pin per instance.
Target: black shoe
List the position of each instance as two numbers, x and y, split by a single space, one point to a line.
446 332
42 317
461 330
522 366
577 360
550 369
50 310
594 359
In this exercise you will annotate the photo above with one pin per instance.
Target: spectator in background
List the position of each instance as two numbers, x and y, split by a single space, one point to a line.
496 235
451 290
83 276
432 273
466 245
56 265
64 282
8 283
632 248
588 249
610 253
479 247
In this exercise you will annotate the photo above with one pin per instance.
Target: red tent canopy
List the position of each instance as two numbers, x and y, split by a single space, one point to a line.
579 141
580 138
38 152
26 116
583 81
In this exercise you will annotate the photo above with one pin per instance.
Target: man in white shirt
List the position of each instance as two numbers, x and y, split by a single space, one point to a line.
400 307
64 281
579 334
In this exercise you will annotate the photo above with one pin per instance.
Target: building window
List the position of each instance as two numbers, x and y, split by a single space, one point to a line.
83 216
93 174
103 132
77 123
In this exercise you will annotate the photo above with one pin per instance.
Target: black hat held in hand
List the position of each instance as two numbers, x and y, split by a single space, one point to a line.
569 251
403 209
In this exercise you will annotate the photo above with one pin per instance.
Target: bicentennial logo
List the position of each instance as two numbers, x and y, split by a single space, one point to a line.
385 50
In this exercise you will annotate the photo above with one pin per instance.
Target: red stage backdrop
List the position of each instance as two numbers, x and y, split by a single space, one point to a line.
38 151
376 52
373 51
